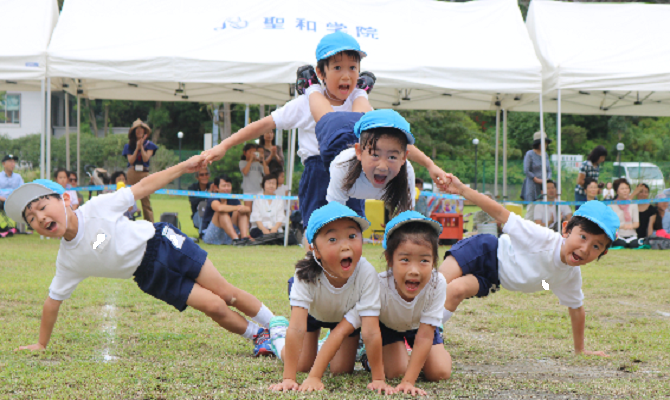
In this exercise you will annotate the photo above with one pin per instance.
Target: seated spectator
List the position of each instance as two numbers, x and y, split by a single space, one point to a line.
646 211
9 180
74 182
662 217
268 215
202 185
120 177
62 177
421 202
591 189
282 187
608 193
226 221
544 211
628 214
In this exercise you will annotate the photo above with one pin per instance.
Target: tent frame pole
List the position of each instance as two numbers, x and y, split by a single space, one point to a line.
544 162
291 154
560 159
48 131
504 154
42 127
495 179
67 131
78 140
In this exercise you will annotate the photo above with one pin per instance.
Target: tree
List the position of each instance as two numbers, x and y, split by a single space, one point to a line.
158 118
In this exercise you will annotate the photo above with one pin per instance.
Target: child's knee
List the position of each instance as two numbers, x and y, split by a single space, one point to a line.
394 371
439 374
217 310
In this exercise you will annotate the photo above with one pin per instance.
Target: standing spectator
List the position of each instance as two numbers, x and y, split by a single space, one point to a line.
62 177
421 202
543 210
628 214
646 211
608 192
273 154
202 184
139 151
74 182
252 170
591 189
589 169
225 220
9 180
532 168
267 215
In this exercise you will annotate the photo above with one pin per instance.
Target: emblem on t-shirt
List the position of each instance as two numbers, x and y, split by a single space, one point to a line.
101 240
176 239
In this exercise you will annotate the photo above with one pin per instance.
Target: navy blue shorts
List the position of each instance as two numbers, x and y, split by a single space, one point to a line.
335 133
314 187
390 336
478 256
171 264
314 324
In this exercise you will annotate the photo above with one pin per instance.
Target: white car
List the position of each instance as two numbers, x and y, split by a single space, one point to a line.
640 172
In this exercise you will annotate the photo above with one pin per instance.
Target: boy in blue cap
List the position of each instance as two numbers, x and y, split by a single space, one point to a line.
528 256
98 241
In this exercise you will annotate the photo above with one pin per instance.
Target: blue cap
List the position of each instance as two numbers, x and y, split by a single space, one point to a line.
409 216
329 213
383 119
597 212
337 42
24 194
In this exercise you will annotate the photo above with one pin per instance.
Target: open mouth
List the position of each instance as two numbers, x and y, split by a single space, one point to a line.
379 179
575 257
412 285
344 89
51 226
345 263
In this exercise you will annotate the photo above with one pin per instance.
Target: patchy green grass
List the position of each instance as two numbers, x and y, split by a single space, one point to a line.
113 341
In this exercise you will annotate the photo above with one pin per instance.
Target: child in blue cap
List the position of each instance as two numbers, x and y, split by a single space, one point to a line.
331 284
98 241
527 256
412 296
338 60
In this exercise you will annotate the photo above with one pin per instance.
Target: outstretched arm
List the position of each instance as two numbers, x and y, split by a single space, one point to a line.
495 210
578 319
49 317
436 173
372 338
250 132
159 180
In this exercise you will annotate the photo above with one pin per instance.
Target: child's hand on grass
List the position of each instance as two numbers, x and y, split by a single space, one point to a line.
311 385
594 353
408 388
32 347
380 386
285 386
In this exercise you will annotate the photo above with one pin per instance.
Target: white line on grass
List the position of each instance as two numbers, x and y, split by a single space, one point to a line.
109 328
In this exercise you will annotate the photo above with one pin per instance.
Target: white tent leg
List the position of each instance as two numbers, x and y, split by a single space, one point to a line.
48 131
504 155
495 179
544 161
560 160
294 134
78 140
67 131
43 128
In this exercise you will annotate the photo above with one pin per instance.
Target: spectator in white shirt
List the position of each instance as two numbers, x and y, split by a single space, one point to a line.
267 215
539 209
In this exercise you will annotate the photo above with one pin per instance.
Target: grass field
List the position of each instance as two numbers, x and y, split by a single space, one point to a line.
113 341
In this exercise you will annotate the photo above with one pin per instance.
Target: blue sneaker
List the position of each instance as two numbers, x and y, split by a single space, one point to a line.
278 327
262 343
322 341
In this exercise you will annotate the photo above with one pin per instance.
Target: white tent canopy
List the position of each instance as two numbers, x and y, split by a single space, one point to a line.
26 29
608 59
439 55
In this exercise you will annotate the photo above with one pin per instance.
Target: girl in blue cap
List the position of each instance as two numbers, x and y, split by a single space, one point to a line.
332 284
528 257
412 296
338 60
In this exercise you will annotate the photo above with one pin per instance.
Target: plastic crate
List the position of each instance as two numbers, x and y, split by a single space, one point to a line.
452 225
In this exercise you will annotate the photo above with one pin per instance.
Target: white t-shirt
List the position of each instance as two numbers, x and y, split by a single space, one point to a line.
296 114
281 190
268 213
528 254
402 316
327 303
551 212
363 188
251 182
107 244
608 194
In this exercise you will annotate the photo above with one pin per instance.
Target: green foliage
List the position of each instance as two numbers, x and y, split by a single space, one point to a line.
572 138
163 159
159 117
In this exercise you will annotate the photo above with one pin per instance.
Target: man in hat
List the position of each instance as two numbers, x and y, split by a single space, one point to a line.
9 180
139 151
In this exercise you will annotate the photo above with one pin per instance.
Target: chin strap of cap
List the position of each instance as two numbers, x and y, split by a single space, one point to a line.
319 262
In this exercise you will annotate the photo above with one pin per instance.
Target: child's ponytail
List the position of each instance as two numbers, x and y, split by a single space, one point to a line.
308 269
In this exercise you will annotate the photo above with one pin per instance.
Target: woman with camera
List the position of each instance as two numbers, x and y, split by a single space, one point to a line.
254 166
139 151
